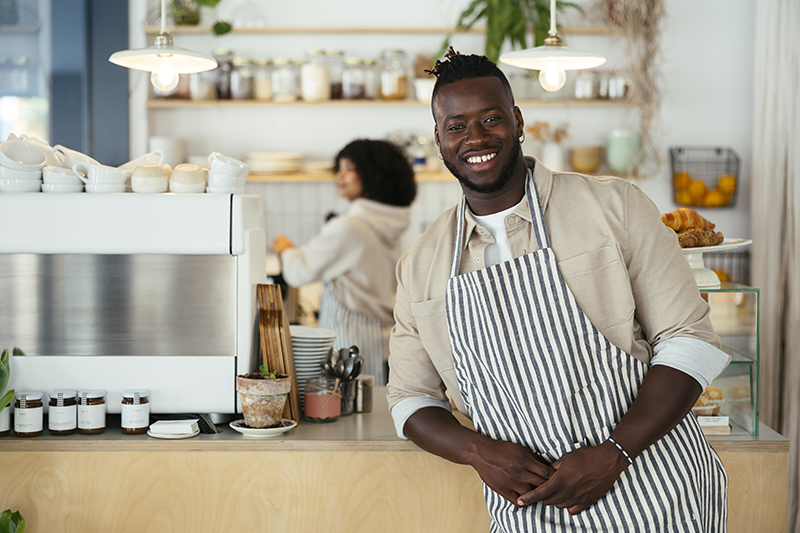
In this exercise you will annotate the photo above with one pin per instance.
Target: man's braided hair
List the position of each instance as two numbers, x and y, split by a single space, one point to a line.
457 67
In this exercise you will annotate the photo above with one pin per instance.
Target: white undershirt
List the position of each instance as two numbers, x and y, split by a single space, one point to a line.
500 250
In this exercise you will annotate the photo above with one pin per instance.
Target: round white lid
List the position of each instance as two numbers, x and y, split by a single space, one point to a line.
28 396
65 393
132 393
96 393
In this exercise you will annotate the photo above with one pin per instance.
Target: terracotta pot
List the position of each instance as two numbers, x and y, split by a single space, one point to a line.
263 399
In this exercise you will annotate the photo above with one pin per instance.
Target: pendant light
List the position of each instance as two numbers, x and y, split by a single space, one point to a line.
164 60
552 59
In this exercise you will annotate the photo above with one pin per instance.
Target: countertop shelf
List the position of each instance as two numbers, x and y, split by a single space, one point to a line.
202 30
173 103
318 177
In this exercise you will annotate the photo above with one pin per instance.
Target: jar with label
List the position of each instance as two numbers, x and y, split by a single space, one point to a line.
602 84
371 79
135 411
284 80
203 85
322 399
617 84
586 87
242 79
223 72
353 87
394 75
314 77
62 416
335 60
91 412
262 80
28 414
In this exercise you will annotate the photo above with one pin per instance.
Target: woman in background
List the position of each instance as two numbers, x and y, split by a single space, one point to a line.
355 253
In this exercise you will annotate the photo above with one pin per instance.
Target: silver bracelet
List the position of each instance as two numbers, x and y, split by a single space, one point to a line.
615 443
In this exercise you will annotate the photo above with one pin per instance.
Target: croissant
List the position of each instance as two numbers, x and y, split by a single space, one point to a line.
685 217
694 237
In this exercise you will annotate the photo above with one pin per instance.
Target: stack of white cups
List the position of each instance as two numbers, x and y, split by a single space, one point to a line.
227 175
20 166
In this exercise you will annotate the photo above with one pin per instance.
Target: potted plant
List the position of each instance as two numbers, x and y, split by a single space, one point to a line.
507 20
5 412
187 13
553 155
263 395
11 522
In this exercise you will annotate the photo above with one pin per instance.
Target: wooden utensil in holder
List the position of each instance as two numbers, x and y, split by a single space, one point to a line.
276 342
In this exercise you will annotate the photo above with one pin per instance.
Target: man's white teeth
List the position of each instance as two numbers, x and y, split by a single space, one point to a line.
480 159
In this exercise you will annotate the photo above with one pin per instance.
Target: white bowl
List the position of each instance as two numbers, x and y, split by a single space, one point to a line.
61 176
219 179
62 187
105 187
19 155
7 185
155 184
186 188
12 174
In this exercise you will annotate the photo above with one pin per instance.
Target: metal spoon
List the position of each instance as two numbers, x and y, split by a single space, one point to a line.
344 353
354 351
348 368
333 356
357 367
329 370
340 369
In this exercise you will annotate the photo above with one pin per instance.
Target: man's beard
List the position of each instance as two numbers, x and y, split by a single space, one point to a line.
505 176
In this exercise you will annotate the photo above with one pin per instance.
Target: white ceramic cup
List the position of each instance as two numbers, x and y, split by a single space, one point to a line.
179 187
227 165
43 146
152 170
67 158
62 187
105 187
11 174
100 174
189 174
156 156
153 184
7 185
60 175
219 179
16 154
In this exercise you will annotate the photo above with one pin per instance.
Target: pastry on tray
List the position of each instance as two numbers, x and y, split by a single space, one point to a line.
695 237
708 403
693 229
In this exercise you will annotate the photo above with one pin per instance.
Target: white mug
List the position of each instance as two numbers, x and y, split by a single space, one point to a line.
67 158
189 174
100 174
219 179
151 184
180 187
152 170
16 154
43 146
228 165
53 175
156 156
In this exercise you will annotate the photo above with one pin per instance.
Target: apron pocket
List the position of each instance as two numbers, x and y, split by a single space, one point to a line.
592 414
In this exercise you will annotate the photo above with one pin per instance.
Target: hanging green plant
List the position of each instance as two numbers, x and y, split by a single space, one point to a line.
507 20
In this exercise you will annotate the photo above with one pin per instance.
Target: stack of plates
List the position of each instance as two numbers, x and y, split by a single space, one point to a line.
311 347
274 162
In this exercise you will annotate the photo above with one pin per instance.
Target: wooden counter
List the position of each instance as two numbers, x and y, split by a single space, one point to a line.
349 476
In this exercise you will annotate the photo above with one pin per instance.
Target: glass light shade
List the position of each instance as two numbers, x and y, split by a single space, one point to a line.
150 59
552 77
540 57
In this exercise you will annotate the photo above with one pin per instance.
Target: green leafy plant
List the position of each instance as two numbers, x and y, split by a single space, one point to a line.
186 12
507 20
11 522
264 369
5 372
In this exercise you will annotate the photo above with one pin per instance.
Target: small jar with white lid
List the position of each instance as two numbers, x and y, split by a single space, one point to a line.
315 85
262 80
91 412
28 414
135 411
62 417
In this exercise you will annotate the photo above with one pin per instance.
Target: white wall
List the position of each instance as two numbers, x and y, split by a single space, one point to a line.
708 59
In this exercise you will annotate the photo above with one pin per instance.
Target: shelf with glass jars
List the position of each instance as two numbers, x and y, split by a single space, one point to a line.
735 316
207 30
167 103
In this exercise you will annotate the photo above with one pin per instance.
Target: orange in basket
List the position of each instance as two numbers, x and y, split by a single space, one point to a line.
681 180
697 189
727 184
715 198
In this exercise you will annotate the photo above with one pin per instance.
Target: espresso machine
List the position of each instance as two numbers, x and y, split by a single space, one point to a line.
132 291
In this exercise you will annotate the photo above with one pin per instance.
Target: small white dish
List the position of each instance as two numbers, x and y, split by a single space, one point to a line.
11 174
20 185
61 187
60 175
266 433
105 187
173 436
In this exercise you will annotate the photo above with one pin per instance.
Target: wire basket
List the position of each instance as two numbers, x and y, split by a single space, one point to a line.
704 176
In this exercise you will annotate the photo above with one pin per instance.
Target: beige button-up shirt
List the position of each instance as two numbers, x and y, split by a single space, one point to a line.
623 265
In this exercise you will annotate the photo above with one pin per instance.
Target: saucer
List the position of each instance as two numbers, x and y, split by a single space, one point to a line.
167 436
266 433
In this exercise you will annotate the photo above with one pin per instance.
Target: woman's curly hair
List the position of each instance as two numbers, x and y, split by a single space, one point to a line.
386 175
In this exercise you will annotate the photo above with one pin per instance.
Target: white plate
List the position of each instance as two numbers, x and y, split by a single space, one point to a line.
166 436
267 433
727 244
306 332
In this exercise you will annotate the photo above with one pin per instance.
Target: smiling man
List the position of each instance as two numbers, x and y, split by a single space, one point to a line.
558 313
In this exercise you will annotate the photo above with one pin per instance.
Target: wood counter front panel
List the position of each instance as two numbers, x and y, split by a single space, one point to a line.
282 492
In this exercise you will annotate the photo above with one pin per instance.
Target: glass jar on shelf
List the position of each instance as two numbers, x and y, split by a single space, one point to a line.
203 86
322 399
223 71
353 80
617 84
284 80
315 85
394 75
262 80
242 79
586 86
371 79
335 60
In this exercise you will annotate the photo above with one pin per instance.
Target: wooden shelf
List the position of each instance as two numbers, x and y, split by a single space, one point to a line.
202 30
179 104
321 177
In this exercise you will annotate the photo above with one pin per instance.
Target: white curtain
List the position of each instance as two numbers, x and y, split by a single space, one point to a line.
775 215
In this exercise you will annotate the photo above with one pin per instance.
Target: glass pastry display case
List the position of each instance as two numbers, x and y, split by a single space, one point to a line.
735 315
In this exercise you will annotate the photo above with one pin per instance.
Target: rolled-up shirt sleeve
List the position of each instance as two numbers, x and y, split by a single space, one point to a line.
406 407
691 356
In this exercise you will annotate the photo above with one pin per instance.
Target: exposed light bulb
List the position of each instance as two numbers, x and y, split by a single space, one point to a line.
552 77
164 78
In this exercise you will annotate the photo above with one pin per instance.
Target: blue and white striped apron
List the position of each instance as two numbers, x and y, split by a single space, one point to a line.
533 370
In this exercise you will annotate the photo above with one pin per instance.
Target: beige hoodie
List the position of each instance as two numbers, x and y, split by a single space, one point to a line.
356 253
